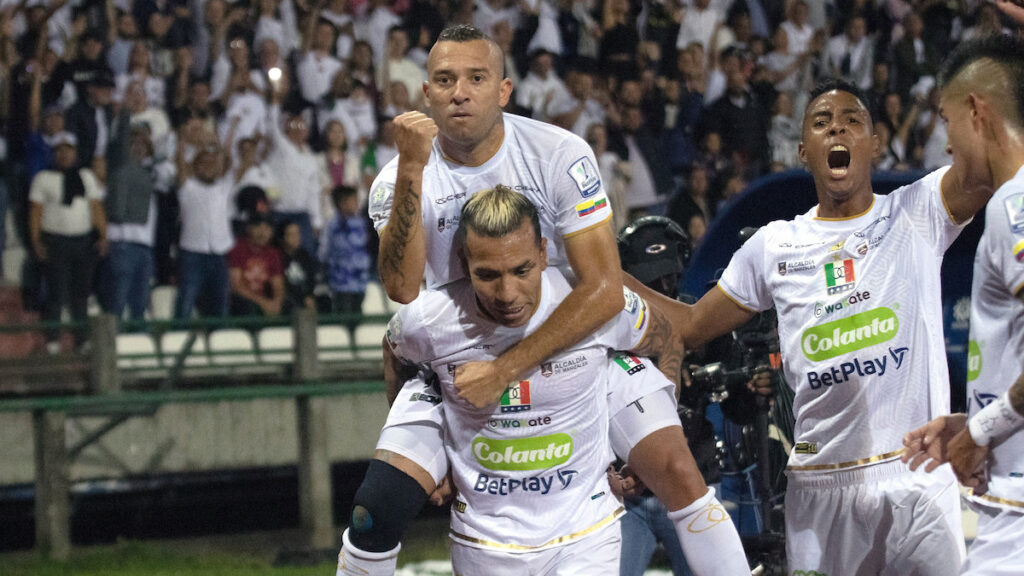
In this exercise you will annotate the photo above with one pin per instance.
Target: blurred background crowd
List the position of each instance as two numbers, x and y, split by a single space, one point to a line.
227 148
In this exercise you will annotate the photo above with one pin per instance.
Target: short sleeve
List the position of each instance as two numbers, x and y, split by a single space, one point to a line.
93 190
577 192
382 193
407 333
923 204
744 280
37 193
1006 225
628 327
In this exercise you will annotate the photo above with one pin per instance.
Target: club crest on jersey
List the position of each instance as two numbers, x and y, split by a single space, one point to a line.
590 206
586 177
1015 212
516 397
1018 251
839 276
631 364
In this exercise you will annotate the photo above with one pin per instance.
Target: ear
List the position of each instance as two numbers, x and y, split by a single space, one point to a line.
802 153
463 263
426 97
876 146
504 92
543 262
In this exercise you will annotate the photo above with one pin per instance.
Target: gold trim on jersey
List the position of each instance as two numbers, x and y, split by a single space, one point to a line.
735 301
840 219
555 542
998 500
588 228
850 464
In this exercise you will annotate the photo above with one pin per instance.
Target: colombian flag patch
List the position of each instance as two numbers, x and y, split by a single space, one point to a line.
590 206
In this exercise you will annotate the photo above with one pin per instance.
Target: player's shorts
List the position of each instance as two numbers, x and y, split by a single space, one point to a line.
641 400
998 549
415 428
881 519
596 554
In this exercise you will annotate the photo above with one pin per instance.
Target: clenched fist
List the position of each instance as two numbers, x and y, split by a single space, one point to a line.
414 136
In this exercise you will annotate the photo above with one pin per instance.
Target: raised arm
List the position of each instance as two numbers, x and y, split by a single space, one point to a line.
403 250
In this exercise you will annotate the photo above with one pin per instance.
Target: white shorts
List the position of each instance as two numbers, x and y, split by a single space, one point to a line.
881 519
998 549
640 401
596 554
415 428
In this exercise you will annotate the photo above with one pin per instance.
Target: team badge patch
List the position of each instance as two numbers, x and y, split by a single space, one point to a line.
839 276
1018 251
1015 213
631 364
590 206
516 397
586 177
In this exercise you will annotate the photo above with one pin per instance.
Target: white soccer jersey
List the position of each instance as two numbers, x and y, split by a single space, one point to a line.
552 167
530 471
860 320
996 349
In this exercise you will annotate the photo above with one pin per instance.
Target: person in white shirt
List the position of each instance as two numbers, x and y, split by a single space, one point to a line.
205 197
699 22
855 283
521 509
399 68
851 55
416 203
983 105
65 208
318 66
542 87
294 166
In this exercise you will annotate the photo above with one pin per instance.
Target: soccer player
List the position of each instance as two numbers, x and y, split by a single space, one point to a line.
983 102
415 203
533 496
855 281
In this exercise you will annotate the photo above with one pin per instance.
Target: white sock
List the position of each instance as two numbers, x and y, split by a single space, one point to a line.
355 562
709 539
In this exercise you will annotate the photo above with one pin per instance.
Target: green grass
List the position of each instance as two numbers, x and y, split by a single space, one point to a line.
250 554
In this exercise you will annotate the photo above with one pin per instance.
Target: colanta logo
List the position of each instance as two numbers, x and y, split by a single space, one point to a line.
849 334
538 453
973 360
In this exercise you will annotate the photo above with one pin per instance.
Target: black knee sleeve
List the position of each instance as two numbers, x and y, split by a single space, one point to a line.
387 500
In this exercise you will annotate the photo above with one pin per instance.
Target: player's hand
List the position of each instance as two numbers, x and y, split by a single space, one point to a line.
762 382
414 136
625 482
930 442
444 493
967 458
480 383
1012 8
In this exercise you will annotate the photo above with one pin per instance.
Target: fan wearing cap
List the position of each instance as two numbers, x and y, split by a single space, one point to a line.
89 118
65 209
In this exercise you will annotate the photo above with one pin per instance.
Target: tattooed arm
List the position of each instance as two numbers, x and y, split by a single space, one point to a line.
403 251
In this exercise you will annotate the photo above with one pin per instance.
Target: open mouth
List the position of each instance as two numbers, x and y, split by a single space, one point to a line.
838 160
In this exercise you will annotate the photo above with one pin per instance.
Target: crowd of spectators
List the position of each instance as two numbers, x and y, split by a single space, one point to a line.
227 147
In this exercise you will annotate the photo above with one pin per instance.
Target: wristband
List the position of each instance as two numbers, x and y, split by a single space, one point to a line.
995 422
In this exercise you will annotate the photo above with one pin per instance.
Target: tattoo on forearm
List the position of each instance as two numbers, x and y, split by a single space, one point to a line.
661 341
403 216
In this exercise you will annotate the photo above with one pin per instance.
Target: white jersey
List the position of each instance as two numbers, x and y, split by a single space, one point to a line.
530 471
860 320
996 349
552 167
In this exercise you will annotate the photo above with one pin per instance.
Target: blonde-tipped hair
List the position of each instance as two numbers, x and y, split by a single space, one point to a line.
496 213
